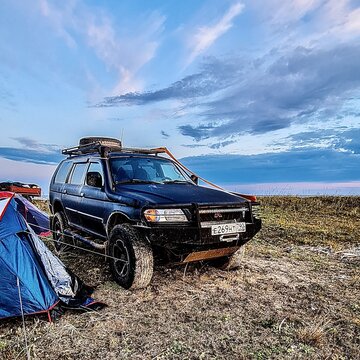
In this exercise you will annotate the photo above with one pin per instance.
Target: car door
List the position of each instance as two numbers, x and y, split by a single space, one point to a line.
71 196
94 201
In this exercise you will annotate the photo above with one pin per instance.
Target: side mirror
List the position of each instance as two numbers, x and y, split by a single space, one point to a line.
94 179
195 179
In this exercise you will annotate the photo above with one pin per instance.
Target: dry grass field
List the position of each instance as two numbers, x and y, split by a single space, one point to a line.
296 295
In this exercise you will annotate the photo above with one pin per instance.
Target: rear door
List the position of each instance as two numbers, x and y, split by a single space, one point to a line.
71 194
58 181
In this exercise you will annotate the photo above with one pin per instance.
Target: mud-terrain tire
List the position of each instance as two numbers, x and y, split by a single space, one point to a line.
135 264
59 224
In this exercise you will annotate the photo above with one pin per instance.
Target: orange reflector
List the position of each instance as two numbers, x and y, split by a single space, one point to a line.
151 215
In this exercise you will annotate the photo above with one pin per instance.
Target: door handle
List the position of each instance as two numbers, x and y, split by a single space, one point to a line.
65 192
82 194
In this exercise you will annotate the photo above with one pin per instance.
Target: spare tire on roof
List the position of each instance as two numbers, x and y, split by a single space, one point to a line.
105 141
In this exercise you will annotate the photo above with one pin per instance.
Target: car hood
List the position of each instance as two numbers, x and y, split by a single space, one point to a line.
163 194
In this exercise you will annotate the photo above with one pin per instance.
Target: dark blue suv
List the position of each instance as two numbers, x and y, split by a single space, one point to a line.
135 204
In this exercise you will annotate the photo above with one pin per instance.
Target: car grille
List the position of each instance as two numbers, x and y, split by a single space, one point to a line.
213 216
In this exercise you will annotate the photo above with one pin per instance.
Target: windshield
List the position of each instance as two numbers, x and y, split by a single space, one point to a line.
146 170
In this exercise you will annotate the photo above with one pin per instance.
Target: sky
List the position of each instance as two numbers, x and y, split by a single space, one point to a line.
262 97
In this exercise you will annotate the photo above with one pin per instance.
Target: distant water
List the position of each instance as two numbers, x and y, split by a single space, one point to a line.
300 188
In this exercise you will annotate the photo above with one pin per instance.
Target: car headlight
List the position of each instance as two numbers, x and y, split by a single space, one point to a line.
165 215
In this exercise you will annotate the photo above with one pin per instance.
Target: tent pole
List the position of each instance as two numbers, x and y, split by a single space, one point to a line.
23 320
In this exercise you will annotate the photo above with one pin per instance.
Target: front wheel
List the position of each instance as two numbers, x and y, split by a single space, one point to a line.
132 260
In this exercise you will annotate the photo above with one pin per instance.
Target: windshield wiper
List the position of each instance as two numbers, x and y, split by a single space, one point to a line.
176 182
137 181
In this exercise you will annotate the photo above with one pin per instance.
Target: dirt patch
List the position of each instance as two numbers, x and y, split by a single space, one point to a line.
294 296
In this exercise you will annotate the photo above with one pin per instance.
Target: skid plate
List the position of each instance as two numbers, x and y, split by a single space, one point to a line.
210 254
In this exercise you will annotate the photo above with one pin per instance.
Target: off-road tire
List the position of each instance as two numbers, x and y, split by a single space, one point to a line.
59 224
125 242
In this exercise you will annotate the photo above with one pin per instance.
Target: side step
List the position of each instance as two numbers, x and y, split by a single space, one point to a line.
86 240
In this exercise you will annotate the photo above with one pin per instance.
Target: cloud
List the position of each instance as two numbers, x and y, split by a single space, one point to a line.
193 146
279 12
341 19
7 99
237 96
34 144
58 19
214 75
124 54
205 36
164 134
197 132
292 166
344 140
300 86
27 142
221 144
31 155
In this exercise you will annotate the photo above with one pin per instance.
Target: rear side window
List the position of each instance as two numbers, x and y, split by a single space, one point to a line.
62 173
78 174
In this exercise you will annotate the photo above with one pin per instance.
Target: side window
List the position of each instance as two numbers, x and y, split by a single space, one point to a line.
78 174
95 167
62 173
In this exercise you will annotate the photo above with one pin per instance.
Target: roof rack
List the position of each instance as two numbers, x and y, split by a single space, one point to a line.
103 150
144 151
82 149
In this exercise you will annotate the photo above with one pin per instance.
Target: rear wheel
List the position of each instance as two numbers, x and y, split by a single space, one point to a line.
132 260
59 225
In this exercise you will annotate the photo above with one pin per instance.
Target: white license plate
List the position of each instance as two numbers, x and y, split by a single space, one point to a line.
231 228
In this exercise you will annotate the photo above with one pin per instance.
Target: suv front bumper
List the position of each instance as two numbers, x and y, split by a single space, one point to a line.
182 240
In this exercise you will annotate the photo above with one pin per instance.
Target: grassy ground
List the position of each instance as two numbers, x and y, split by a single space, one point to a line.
296 295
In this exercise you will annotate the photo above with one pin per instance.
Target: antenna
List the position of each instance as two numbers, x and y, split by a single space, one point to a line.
122 135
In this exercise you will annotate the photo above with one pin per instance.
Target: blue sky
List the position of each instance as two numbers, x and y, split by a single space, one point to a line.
251 94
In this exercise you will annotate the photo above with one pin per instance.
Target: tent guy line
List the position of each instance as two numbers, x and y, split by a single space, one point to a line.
45 238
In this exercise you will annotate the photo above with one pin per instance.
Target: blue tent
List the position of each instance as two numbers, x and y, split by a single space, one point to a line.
37 219
33 279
